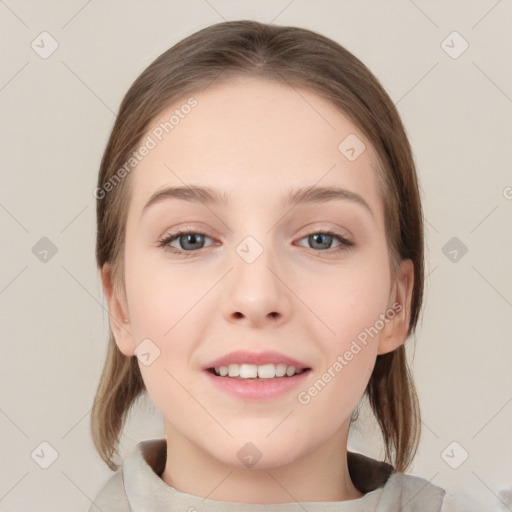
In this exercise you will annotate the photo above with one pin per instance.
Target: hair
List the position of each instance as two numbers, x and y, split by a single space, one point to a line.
299 58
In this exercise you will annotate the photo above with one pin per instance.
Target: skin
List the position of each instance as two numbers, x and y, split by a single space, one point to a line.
257 140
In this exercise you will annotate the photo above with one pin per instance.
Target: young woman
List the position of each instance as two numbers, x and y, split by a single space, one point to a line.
260 243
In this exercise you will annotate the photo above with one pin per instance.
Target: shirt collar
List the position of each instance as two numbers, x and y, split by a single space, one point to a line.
146 490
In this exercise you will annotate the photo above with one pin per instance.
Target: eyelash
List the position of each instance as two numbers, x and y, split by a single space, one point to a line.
344 243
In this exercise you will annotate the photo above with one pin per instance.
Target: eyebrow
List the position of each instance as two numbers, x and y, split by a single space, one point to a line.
207 195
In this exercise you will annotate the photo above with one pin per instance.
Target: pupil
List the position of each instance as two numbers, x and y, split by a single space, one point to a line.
190 238
325 244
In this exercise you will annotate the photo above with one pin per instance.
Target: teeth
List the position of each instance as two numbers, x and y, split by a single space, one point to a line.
252 371
248 371
233 370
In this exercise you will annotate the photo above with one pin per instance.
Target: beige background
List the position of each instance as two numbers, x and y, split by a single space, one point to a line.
56 114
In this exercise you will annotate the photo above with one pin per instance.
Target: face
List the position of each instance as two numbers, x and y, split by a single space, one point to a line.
257 273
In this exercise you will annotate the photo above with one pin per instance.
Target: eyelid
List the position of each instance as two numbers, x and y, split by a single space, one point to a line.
345 242
335 230
174 235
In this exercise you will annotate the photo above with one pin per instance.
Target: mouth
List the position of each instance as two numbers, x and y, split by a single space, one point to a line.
257 372
249 375
257 383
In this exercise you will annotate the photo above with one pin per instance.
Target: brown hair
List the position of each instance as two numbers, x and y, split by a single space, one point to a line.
299 58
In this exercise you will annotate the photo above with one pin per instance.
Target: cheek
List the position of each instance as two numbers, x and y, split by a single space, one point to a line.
346 300
162 306
164 302
160 295
349 305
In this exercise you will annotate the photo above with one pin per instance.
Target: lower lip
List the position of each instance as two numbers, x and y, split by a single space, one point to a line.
257 389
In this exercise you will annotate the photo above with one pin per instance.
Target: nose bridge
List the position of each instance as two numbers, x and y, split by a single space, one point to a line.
253 260
254 233
255 291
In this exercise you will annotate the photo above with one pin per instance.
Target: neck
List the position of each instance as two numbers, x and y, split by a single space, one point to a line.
321 475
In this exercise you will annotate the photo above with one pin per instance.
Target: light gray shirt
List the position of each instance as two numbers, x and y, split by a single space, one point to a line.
138 487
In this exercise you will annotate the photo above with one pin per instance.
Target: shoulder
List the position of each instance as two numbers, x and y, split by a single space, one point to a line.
389 490
413 493
112 496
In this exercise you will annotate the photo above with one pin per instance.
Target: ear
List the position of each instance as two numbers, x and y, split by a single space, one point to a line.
396 330
118 313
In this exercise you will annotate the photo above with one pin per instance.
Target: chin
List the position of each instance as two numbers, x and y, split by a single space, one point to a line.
260 453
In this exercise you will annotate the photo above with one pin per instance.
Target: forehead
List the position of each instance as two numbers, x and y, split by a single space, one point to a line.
255 137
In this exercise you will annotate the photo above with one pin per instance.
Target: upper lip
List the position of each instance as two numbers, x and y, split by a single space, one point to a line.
256 358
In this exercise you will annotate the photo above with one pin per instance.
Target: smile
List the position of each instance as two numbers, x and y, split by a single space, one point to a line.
254 387
252 371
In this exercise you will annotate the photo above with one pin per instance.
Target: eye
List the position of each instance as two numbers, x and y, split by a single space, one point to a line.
189 241
323 240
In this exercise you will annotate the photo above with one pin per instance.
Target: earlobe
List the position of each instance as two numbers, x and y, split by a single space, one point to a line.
118 314
396 330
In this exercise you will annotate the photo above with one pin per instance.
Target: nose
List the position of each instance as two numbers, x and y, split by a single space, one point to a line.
257 293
